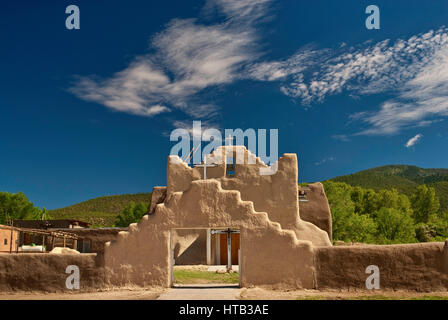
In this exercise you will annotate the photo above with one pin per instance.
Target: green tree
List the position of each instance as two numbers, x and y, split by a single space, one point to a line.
131 213
370 202
347 224
425 204
436 229
394 226
16 206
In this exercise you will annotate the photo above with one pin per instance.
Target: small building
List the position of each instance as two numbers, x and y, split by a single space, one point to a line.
78 234
8 239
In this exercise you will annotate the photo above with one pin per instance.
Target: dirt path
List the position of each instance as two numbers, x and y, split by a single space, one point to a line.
202 292
121 294
264 294
223 292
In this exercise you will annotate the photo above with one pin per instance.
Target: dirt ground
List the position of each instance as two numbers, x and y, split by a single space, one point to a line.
268 294
118 294
244 294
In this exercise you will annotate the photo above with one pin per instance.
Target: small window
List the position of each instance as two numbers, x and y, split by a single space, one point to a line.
230 168
5 241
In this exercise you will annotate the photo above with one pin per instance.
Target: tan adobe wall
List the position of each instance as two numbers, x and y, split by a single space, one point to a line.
270 255
421 267
317 210
5 234
190 246
98 237
276 194
158 195
46 272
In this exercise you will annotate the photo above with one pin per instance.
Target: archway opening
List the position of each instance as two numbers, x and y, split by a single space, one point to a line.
205 257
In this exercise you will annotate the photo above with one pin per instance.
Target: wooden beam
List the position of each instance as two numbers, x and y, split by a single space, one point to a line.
10 241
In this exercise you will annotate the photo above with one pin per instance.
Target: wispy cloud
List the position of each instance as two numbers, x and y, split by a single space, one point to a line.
323 161
341 137
190 57
411 142
187 58
414 70
421 100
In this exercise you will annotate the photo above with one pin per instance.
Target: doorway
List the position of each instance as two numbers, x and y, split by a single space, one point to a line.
204 256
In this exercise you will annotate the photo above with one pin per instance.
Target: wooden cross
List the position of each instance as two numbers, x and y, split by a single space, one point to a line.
230 138
205 166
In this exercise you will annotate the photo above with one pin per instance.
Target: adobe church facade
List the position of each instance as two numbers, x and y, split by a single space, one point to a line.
284 237
275 243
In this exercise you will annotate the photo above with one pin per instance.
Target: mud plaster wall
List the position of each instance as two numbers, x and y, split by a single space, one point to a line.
421 267
5 234
317 210
271 255
275 194
46 272
190 246
97 237
158 195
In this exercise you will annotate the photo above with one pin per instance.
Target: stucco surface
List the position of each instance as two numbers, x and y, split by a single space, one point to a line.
98 237
275 194
421 267
46 272
271 255
190 246
317 210
158 195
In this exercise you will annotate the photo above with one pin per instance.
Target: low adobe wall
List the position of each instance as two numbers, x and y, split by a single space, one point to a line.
420 267
98 237
46 272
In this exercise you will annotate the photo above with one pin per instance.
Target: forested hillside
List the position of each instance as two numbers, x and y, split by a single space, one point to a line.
102 211
401 177
390 204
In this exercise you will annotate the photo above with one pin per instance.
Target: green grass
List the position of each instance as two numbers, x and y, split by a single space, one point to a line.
430 298
198 277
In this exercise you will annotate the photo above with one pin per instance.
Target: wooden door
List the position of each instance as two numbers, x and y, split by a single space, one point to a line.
235 246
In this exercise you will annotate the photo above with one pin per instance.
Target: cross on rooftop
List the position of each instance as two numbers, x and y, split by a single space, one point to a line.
205 165
230 138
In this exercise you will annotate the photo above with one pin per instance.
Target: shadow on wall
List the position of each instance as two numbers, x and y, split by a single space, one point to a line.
190 246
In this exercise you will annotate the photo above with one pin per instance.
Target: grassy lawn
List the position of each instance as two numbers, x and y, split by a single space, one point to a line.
204 277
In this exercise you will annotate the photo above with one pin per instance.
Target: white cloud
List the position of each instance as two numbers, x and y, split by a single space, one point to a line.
411 142
421 101
366 69
414 70
323 161
187 58
341 137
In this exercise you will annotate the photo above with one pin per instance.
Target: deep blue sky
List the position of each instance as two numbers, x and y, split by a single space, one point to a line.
59 148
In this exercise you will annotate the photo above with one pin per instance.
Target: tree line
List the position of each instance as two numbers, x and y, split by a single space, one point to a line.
385 216
14 206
